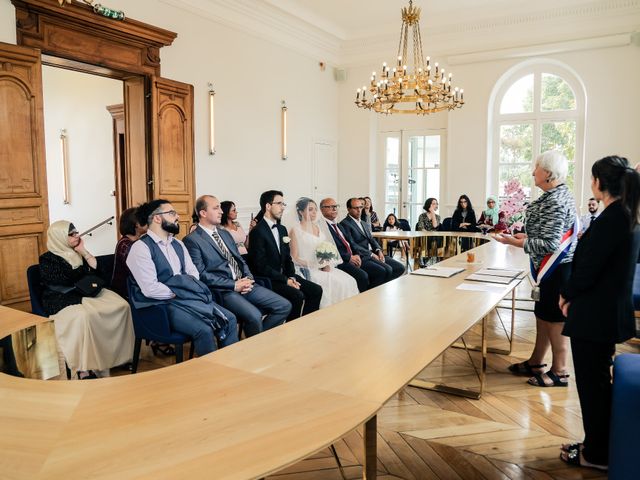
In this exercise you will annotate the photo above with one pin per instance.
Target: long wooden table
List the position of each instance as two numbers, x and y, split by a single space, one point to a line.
250 409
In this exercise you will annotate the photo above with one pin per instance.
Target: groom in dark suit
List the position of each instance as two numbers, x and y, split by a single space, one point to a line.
222 268
379 267
269 256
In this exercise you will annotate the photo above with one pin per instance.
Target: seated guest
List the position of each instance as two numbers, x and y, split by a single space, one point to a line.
131 231
351 262
162 273
586 219
315 257
270 256
491 216
230 223
463 218
379 267
429 220
370 216
222 268
391 224
94 333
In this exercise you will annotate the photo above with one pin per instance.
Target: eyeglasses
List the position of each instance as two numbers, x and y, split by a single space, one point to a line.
73 233
279 203
168 212
332 207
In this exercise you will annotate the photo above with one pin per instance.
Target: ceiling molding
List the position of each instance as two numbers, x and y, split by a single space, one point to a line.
286 24
265 21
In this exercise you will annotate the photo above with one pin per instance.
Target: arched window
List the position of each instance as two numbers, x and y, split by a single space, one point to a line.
536 106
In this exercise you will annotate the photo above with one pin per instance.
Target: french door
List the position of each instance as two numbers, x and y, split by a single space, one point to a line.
412 168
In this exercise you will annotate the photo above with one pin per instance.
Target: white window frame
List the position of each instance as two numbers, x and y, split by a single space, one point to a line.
537 117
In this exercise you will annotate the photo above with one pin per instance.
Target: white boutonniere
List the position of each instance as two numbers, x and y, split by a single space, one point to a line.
286 239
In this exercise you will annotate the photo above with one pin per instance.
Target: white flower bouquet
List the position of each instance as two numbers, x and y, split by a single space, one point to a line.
326 252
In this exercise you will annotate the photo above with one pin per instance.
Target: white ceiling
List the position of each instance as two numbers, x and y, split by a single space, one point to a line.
353 19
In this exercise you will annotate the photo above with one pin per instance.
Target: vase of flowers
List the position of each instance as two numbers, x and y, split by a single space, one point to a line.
513 206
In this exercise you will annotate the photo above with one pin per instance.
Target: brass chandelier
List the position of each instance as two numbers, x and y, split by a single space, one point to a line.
421 92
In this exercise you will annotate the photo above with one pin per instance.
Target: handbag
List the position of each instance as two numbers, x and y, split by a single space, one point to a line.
89 285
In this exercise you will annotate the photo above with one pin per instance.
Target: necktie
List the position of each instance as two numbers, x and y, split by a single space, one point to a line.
593 217
342 239
227 254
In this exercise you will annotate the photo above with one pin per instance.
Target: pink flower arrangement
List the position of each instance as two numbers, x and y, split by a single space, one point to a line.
513 205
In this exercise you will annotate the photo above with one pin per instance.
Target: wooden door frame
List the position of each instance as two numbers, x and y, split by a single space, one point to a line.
74 37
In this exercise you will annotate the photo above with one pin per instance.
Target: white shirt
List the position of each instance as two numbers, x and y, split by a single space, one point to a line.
585 221
274 231
210 233
144 271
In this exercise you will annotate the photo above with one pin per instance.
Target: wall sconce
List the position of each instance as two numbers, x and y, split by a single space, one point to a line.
284 130
212 123
65 167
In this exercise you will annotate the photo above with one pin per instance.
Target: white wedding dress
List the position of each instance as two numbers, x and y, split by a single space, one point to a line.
336 284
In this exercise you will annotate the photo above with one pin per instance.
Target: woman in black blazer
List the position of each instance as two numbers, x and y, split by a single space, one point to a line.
597 302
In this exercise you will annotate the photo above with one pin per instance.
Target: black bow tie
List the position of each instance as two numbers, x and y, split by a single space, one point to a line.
275 225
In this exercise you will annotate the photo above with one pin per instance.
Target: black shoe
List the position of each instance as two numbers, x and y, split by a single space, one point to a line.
90 375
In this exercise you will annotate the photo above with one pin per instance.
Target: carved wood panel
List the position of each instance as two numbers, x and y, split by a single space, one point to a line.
173 158
24 215
75 32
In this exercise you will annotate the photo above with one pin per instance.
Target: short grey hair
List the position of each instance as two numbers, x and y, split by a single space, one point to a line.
555 163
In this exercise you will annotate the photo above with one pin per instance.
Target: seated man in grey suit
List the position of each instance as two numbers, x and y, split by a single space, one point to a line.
379 267
223 269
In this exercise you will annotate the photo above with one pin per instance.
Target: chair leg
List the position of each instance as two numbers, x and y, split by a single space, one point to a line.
192 349
66 367
136 355
179 352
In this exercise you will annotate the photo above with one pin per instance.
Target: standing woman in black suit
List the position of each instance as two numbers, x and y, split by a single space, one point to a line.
597 302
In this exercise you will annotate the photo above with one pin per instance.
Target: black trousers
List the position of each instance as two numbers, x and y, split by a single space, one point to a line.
592 363
379 272
303 301
361 277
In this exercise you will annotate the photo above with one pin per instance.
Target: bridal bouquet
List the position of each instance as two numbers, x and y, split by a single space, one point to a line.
325 252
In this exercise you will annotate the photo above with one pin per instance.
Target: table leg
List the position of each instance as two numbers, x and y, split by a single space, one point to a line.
370 467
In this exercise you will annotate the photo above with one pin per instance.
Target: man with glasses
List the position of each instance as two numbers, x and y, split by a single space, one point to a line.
269 256
379 267
162 273
351 262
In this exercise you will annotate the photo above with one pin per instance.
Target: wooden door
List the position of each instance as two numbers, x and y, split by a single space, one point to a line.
24 215
172 146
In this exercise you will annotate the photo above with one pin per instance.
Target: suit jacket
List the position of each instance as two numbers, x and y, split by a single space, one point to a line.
601 282
342 250
210 261
265 259
358 240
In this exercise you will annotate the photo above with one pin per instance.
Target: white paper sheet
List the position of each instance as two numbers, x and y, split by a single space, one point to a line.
483 287
443 272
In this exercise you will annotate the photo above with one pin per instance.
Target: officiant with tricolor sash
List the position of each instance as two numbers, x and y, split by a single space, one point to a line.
551 226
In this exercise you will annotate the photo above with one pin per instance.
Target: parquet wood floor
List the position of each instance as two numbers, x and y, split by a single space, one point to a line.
513 432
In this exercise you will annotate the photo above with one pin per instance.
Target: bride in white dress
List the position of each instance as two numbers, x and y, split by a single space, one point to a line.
316 256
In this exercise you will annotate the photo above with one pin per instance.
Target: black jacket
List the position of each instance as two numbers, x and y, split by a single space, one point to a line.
359 240
601 282
456 220
264 258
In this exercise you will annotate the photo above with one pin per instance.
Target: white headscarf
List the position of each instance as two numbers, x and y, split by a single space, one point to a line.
58 243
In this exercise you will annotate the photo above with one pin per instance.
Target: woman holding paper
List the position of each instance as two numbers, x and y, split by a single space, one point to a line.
550 242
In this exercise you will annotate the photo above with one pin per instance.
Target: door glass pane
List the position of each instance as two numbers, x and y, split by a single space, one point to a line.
516 142
392 186
519 97
416 152
556 94
432 151
392 151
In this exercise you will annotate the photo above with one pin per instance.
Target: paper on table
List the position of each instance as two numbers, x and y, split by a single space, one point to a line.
443 272
483 287
499 272
489 279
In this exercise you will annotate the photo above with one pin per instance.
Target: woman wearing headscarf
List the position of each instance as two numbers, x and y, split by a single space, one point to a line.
490 216
94 333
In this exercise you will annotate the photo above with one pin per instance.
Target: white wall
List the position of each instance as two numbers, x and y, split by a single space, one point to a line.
251 76
77 102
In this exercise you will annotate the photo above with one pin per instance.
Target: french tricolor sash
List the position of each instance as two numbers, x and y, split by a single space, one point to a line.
550 262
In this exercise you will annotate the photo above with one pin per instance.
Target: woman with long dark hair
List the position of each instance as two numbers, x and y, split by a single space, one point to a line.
230 223
464 218
597 302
